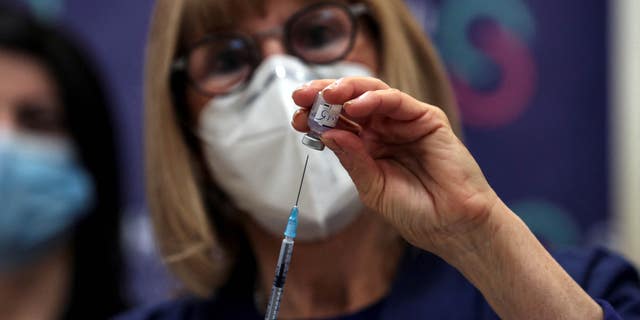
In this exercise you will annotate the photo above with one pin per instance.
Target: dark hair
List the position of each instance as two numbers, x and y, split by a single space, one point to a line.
96 283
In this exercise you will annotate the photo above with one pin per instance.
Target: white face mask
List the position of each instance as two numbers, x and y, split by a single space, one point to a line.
257 158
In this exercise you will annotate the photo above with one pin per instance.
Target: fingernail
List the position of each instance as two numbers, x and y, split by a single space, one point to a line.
362 96
303 86
332 86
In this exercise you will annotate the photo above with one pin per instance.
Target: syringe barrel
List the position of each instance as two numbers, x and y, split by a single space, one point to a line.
274 304
286 250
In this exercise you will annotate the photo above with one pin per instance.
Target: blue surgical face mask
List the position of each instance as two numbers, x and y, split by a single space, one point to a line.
44 192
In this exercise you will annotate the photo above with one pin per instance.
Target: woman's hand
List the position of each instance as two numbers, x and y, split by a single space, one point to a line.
409 166
406 162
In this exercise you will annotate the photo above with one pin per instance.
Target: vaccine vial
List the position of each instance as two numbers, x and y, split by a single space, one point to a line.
323 116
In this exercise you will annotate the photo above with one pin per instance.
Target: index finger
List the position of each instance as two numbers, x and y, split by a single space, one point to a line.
306 94
345 89
392 103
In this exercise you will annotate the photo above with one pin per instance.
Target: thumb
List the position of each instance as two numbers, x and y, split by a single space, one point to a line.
355 158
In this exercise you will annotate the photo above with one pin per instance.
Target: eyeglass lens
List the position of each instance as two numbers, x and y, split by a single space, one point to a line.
320 35
220 64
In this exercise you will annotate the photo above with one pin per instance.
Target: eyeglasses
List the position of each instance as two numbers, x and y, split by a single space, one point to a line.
321 33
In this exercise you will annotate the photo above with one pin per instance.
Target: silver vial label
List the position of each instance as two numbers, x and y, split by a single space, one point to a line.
327 114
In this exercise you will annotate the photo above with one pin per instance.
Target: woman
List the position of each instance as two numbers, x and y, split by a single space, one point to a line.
223 167
59 253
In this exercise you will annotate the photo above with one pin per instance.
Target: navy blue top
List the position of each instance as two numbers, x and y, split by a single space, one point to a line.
428 288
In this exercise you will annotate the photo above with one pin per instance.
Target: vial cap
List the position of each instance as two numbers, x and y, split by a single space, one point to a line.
312 142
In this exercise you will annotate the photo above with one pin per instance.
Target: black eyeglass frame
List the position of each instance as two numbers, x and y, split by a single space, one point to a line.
354 11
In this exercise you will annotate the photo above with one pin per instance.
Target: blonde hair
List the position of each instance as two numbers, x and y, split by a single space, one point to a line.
187 237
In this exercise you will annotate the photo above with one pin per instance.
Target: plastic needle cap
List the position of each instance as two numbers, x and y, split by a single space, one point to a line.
292 224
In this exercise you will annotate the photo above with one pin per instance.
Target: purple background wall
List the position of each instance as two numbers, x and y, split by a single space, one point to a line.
530 76
531 79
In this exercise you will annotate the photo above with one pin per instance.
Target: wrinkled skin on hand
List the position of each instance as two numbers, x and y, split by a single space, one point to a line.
405 160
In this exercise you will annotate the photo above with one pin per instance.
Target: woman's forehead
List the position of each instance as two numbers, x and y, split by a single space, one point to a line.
202 17
274 12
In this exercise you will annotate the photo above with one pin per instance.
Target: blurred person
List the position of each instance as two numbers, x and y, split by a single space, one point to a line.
59 193
410 230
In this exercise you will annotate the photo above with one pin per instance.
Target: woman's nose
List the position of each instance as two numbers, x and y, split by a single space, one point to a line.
272 46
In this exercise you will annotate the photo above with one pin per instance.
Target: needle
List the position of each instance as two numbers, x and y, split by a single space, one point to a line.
302 179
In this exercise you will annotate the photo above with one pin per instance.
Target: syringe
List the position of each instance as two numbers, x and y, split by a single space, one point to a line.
286 250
